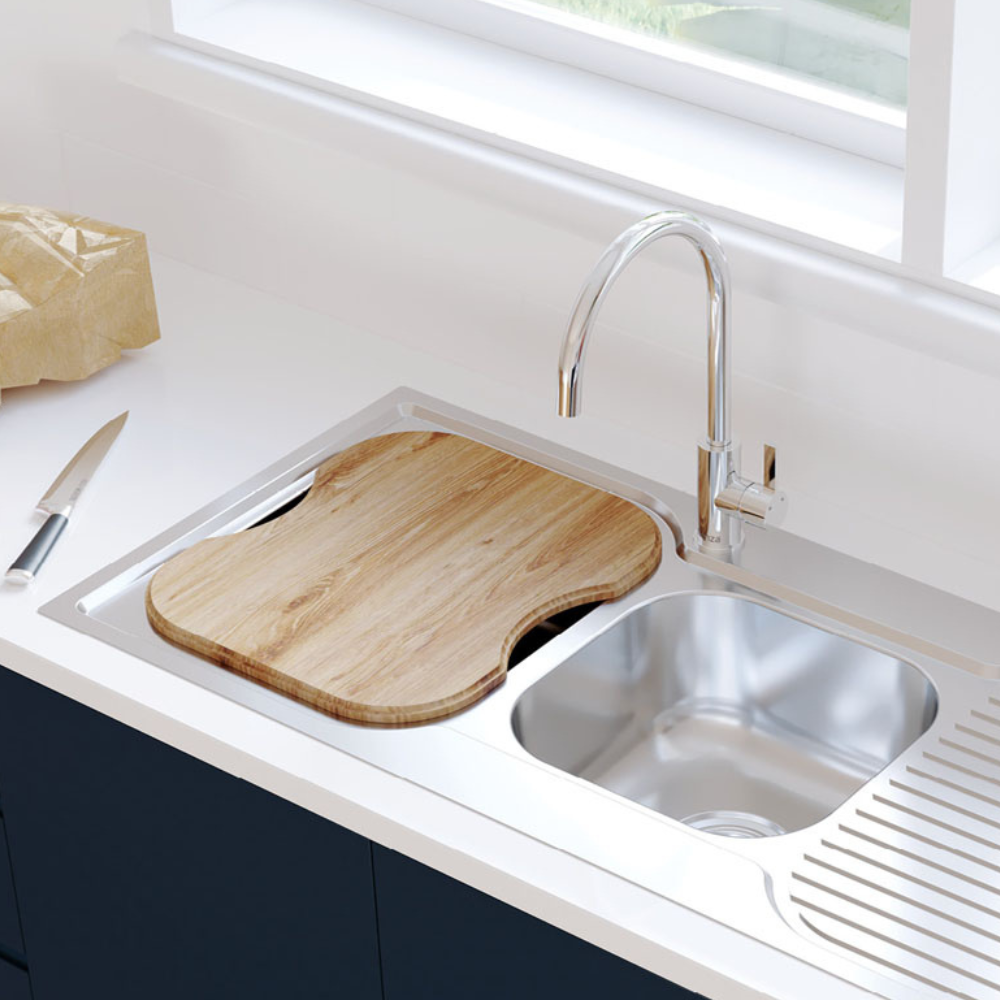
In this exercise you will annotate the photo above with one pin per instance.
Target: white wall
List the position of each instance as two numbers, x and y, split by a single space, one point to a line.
887 453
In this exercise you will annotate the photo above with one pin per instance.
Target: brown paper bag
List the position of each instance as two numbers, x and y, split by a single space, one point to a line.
74 293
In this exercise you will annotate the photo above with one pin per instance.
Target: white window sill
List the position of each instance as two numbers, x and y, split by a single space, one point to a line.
648 144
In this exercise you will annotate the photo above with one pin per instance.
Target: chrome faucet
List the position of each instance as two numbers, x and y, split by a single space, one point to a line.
725 498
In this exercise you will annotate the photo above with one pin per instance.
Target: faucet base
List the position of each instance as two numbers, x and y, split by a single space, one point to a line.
726 499
718 531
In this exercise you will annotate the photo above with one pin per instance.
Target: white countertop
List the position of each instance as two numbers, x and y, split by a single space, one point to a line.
238 380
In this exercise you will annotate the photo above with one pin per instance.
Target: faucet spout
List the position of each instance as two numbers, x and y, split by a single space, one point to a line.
613 261
718 474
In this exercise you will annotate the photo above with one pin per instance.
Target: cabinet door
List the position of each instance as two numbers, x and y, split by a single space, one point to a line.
442 940
144 873
13 982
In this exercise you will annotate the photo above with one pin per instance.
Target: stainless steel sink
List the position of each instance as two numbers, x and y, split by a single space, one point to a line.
777 693
725 714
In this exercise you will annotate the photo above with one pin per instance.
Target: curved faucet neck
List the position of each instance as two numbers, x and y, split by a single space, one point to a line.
725 498
614 260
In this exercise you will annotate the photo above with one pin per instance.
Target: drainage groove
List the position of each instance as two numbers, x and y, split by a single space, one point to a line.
910 881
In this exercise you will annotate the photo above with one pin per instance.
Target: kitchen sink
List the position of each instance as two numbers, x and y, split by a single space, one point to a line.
725 714
742 698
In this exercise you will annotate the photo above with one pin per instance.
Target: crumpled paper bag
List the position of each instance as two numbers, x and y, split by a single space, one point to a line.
74 293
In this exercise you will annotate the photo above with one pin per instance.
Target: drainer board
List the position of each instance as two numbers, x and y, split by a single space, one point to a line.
394 593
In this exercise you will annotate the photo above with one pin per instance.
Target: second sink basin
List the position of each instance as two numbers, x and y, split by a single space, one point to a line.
725 714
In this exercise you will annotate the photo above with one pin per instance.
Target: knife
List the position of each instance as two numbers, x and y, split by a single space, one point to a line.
60 499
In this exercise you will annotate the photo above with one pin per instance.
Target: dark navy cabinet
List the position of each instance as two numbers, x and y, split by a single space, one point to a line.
11 942
13 973
14 983
442 939
142 872
139 871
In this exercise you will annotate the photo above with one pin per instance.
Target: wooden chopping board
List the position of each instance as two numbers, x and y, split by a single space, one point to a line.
395 591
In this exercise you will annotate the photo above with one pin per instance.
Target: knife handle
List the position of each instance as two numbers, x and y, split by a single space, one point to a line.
29 562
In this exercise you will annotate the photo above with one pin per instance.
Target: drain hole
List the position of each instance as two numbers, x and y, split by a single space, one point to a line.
535 638
731 823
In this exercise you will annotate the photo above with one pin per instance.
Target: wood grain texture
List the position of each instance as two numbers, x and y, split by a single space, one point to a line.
394 593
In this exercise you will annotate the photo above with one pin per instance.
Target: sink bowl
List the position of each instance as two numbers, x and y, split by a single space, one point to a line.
725 714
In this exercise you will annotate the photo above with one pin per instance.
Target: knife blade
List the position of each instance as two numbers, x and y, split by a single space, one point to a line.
61 497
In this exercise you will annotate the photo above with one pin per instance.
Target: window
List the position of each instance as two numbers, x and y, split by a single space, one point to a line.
879 143
899 81
860 46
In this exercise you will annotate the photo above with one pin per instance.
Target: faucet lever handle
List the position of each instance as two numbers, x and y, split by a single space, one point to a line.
770 464
755 503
